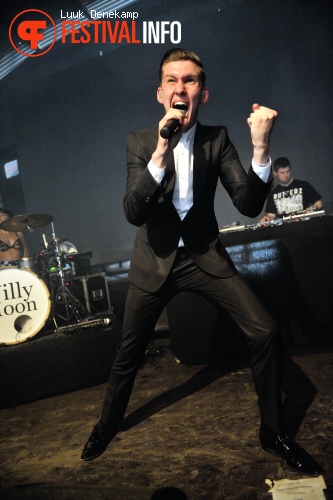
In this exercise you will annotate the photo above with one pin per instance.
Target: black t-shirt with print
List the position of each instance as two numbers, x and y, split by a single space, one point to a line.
296 197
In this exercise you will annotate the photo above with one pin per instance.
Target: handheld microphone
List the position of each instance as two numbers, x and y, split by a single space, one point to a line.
173 124
169 128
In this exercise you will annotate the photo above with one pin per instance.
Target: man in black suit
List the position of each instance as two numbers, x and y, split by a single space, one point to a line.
170 198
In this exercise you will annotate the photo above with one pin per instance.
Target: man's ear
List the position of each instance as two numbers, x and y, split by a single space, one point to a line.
204 95
159 95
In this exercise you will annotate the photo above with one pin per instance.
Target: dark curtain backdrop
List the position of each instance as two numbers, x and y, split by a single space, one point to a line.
68 113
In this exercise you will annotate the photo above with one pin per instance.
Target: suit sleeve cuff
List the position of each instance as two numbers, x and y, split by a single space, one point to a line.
157 173
264 171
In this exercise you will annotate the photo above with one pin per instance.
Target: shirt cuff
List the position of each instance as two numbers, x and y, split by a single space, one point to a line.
263 170
157 173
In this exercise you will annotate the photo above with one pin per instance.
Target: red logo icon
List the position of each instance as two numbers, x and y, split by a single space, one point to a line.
29 29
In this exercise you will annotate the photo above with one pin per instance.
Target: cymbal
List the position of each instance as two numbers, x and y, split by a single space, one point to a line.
26 222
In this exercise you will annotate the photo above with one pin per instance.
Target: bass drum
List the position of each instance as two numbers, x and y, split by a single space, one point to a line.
24 305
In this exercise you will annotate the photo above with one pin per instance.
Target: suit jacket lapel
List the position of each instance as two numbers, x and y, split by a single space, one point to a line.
168 182
201 150
170 175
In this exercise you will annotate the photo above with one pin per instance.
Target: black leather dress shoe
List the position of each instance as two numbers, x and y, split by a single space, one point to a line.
98 442
295 457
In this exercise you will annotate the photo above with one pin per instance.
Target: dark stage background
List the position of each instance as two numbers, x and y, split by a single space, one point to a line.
66 115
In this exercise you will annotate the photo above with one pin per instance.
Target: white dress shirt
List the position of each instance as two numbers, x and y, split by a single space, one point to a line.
183 157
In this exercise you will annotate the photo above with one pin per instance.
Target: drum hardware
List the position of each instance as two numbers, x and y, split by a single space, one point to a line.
51 270
26 263
84 325
65 305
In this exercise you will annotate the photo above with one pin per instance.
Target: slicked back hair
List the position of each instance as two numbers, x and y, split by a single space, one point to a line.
183 55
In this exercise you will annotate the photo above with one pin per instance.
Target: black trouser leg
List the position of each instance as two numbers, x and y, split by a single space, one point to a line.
260 330
232 294
141 314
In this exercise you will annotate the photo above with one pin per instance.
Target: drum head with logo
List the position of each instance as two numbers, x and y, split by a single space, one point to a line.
24 305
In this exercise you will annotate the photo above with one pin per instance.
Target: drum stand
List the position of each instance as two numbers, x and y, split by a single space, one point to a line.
65 305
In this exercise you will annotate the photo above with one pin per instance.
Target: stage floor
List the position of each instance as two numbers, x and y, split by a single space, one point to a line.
193 427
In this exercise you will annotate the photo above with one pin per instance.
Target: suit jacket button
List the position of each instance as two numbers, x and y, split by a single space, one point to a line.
147 199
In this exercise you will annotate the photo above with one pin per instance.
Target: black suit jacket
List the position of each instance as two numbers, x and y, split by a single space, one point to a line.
148 205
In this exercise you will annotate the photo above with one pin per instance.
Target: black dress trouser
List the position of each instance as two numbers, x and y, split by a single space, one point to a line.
143 310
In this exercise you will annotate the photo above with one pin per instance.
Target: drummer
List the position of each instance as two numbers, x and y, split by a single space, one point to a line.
12 244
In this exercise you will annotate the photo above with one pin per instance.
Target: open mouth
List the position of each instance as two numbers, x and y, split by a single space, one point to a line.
181 105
